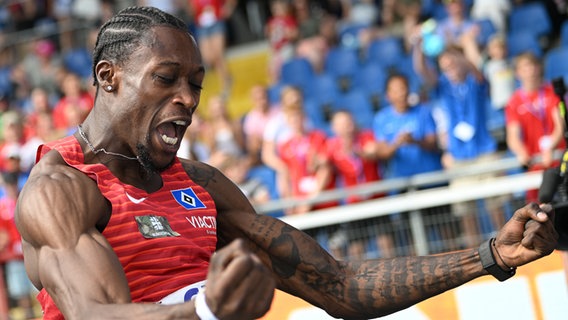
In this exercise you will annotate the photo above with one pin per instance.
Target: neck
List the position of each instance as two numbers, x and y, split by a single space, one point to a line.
96 151
531 86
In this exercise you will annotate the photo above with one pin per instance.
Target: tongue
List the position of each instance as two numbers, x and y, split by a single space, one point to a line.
167 129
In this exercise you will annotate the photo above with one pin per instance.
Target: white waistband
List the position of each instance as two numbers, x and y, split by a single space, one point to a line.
184 294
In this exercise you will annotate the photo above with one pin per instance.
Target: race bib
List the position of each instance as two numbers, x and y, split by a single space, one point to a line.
207 18
545 143
307 184
184 294
464 131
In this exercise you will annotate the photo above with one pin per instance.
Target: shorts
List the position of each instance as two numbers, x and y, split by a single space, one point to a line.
18 283
219 27
462 209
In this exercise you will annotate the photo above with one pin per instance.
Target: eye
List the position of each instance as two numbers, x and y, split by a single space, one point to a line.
162 78
196 86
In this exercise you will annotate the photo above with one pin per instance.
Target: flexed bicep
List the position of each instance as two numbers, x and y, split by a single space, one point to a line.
57 214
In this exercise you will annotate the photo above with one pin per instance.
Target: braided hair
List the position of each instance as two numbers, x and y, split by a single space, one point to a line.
123 33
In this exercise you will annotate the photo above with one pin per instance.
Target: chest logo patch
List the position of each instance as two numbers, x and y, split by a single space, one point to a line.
155 227
188 199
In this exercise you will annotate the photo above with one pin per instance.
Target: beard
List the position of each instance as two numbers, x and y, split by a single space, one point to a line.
146 161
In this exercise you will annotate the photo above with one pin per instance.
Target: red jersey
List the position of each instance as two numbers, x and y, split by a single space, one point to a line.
533 111
207 12
351 168
68 108
164 240
13 247
278 29
297 153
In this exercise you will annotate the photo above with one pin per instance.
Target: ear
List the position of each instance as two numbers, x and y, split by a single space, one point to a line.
106 74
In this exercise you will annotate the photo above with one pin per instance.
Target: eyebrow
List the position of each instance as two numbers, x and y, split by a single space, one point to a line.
201 68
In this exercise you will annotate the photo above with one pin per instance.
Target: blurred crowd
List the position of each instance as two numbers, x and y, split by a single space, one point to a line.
430 85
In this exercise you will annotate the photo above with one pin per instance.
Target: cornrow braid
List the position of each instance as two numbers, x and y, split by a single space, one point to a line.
119 36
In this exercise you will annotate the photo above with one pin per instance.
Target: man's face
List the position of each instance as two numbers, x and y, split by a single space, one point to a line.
397 92
450 66
159 88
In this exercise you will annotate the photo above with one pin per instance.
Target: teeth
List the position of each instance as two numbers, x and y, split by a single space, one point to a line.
180 122
169 140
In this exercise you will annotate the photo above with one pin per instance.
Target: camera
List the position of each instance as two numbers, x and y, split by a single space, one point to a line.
554 185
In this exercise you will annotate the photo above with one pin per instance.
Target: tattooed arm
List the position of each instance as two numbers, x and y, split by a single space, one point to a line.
363 289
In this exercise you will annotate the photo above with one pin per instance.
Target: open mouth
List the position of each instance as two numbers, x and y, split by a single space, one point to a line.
172 132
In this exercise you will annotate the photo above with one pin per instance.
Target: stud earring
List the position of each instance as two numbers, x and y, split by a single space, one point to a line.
109 88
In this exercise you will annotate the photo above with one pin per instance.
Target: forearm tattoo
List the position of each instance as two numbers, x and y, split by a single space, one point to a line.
366 288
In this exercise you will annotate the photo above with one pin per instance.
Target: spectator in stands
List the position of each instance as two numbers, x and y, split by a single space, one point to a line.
462 93
192 145
316 47
221 134
406 135
352 153
43 66
236 168
307 19
19 286
255 120
397 19
10 148
73 106
499 72
362 12
353 156
38 103
456 23
43 132
407 143
303 154
276 132
211 18
534 124
496 11
317 32
282 32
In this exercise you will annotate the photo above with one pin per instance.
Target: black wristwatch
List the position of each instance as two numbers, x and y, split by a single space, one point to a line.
489 263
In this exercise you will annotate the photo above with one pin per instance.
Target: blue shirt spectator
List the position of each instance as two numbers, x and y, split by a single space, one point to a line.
406 135
464 103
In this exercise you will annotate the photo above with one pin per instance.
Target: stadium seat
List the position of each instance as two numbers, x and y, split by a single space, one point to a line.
555 63
318 117
530 17
564 34
358 103
297 72
386 51
6 85
406 68
486 31
372 80
342 63
349 34
324 91
274 92
519 42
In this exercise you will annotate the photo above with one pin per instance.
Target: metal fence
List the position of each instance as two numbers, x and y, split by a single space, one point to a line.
417 222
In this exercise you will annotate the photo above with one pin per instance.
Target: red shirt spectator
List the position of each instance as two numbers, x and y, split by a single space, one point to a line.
351 153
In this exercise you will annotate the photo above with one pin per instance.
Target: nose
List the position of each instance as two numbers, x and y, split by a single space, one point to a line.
187 96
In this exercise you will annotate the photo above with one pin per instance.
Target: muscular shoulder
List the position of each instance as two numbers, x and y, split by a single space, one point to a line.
57 203
225 193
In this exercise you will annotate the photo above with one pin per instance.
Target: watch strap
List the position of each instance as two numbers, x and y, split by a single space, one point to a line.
490 264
